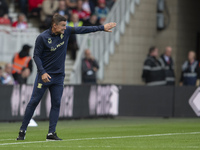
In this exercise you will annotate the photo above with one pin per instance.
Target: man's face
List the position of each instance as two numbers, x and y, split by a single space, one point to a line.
21 18
191 56
93 18
168 51
75 18
102 5
60 27
62 5
155 53
8 68
87 54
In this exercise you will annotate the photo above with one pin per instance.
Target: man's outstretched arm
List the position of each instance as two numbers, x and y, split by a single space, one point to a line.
88 29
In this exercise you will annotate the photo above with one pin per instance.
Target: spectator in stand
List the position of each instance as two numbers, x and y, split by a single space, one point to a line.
71 4
83 15
92 21
21 61
72 44
21 22
8 74
35 7
110 3
49 7
89 68
168 63
190 71
22 78
153 72
75 22
101 11
63 10
86 6
4 19
1 75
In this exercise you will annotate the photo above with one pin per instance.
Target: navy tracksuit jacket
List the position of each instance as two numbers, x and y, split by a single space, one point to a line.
49 56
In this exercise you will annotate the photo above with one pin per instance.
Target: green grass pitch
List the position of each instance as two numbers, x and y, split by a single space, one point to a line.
107 134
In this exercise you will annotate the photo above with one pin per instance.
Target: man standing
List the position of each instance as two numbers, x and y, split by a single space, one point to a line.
49 56
168 64
190 71
89 68
153 72
21 61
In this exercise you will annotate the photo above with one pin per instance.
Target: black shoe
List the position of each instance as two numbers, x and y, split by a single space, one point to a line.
53 137
21 135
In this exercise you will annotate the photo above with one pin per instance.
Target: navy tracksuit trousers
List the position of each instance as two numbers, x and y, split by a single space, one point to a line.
56 89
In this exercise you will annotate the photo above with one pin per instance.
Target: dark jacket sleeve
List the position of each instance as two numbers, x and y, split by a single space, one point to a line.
38 54
182 72
95 64
30 65
146 70
181 79
84 67
198 71
86 29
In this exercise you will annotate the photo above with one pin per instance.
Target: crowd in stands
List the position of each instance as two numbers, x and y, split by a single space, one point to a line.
43 10
160 71
20 69
77 12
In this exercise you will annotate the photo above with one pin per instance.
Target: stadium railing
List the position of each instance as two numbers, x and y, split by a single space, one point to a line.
12 40
102 44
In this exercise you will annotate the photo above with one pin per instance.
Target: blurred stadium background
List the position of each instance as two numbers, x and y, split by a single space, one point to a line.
120 90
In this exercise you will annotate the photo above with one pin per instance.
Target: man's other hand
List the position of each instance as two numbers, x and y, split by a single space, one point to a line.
46 77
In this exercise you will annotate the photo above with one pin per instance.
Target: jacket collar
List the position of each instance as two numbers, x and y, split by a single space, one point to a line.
51 33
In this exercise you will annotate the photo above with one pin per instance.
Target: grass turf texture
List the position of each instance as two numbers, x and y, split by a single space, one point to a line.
107 134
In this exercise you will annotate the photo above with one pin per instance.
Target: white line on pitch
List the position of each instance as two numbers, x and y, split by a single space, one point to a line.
103 138
6 139
141 146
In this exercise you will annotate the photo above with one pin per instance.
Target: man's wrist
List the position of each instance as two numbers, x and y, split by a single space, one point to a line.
102 27
42 72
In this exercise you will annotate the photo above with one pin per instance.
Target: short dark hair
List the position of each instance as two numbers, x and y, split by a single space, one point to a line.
151 49
57 18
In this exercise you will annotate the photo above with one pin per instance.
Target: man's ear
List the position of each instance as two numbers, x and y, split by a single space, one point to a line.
54 25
